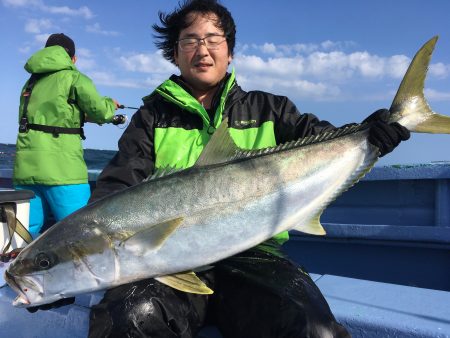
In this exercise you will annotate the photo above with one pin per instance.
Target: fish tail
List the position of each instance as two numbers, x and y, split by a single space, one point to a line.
410 108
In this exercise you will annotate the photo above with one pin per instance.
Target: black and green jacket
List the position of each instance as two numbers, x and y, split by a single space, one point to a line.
172 128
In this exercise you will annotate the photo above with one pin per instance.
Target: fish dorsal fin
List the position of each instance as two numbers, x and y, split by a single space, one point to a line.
314 227
302 142
186 282
161 172
220 148
151 238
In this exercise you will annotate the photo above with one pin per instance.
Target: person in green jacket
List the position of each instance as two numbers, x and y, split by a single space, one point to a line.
258 292
54 104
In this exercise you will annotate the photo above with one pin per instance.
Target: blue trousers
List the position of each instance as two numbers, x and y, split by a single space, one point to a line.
56 200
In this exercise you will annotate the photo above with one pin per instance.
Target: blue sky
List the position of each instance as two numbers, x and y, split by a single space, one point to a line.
340 60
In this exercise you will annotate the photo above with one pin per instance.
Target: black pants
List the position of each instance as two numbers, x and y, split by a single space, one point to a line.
256 294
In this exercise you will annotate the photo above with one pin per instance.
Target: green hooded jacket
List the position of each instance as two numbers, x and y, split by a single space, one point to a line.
59 98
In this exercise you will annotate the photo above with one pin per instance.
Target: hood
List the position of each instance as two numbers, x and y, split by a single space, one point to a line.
49 59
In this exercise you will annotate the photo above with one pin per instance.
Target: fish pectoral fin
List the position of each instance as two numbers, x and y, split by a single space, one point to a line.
186 282
313 227
152 238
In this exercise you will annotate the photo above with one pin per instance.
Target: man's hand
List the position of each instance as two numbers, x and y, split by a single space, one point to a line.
116 104
383 135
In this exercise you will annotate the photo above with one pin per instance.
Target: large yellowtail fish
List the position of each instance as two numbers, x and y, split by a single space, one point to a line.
230 201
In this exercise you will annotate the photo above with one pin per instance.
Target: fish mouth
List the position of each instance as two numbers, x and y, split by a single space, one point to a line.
21 299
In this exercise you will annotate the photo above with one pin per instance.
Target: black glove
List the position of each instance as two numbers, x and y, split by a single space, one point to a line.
383 135
58 303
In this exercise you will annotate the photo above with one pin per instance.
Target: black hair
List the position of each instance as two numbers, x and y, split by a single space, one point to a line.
60 39
173 23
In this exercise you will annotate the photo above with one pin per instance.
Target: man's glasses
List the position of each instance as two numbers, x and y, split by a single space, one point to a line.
211 42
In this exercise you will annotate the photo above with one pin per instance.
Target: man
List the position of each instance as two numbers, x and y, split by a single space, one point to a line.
54 104
258 293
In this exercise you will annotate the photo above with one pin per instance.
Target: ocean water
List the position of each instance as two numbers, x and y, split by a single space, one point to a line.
95 159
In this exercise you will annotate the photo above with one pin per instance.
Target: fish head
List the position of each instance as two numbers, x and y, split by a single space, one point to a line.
62 263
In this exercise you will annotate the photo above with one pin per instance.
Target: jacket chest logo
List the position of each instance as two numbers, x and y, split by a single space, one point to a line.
244 123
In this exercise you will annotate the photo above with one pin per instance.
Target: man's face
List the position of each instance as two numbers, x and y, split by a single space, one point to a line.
202 68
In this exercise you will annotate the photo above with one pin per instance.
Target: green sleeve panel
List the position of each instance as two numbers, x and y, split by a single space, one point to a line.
178 147
99 109
254 138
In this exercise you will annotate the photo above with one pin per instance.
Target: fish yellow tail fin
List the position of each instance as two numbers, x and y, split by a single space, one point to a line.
410 108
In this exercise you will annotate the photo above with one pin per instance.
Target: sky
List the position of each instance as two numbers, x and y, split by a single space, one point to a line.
340 60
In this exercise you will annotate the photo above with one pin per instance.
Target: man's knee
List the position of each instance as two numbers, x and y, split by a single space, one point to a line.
143 309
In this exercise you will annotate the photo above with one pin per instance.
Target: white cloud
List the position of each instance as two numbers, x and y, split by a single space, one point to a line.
397 66
82 11
20 3
436 95
281 67
84 64
147 63
292 88
439 70
36 26
322 71
85 59
84 53
336 66
95 28
109 79
25 49
133 66
41 39
294 49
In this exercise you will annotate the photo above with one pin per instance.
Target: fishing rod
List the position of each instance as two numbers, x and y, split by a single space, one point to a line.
126 107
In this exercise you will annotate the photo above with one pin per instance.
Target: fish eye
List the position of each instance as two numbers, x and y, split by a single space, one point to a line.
43 261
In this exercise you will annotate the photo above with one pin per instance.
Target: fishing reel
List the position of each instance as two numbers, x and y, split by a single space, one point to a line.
119 119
